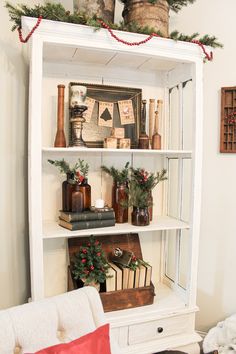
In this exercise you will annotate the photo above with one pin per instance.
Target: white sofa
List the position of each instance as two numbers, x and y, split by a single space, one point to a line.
37 325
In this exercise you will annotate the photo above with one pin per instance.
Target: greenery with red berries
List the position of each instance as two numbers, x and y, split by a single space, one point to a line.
78 172
90 263
141 184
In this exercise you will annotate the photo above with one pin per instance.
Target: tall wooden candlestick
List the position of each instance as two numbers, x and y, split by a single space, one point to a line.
156 138
151 118
143 137
60 140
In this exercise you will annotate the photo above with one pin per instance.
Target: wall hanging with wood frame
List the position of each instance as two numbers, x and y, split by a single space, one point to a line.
228 120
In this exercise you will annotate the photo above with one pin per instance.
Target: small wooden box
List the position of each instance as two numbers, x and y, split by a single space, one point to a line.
124 143
118 133
121 299
110 143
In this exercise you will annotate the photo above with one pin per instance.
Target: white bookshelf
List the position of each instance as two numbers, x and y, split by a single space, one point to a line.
60 53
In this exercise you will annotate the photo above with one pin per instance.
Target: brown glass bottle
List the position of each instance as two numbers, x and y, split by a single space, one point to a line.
119 199
77 199
67 189
140 216
85 189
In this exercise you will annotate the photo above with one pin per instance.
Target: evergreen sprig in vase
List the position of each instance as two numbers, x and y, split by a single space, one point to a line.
140 194
120 191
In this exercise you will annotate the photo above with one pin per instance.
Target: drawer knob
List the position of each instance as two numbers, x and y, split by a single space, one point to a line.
159 330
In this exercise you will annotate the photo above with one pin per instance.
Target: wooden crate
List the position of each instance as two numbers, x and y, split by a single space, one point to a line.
228 131
121 299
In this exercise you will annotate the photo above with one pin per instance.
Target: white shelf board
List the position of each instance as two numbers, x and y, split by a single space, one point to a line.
51 229
166 303
74 150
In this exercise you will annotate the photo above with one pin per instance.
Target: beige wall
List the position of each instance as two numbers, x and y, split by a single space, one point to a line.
217 262
14 259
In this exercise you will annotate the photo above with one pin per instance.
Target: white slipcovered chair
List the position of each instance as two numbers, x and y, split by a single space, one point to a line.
30 327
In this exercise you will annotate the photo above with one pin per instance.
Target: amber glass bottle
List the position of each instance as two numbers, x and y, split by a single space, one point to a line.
85 189
119 199
67 189
77 199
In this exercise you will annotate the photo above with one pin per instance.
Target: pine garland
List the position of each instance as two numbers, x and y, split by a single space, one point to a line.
56 12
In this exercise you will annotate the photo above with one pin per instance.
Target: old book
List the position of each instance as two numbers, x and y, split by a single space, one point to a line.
125 276
131 279
136 278
87 215
118 275
142 275
82 225
148 275
111 280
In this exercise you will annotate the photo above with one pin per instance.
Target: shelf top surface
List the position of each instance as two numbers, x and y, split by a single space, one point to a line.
74 150
52 230
78 43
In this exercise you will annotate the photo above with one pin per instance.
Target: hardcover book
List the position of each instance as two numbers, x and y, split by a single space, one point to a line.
82 225
111 280
87 215
142 275
118 276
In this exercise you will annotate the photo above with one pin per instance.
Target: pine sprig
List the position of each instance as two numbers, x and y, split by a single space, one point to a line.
119 176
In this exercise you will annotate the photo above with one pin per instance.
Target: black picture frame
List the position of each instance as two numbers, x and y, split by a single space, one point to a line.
93 134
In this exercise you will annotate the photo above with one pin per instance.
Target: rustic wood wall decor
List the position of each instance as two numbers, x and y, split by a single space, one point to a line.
228 120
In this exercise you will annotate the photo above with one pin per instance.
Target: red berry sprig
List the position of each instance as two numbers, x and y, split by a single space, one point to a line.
25 40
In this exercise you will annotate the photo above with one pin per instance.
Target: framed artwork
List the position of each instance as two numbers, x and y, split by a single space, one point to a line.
228 120
110 107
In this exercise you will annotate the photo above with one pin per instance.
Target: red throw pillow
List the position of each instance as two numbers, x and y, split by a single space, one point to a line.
97 342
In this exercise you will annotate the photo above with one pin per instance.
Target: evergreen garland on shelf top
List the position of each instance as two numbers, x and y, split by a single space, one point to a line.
56 12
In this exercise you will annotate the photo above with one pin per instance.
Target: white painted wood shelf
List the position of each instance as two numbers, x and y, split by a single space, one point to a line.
74 150
51 229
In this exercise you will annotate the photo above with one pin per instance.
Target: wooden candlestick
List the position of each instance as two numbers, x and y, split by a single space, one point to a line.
156 138
60 140
151 118
143 142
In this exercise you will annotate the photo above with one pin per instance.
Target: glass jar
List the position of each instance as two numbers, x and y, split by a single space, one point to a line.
67 189
119 198
77 199
140 216
85 189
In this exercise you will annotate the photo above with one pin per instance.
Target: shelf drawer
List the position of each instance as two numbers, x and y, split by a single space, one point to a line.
159 329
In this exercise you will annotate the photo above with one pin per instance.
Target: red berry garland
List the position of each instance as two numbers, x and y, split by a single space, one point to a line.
22 40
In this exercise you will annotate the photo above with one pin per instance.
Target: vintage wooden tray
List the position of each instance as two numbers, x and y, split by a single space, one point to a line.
121 299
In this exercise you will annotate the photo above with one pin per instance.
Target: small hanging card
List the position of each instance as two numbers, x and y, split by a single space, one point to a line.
88 113
105 115
126 112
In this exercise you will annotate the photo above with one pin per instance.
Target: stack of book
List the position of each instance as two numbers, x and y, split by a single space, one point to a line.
87 219
122 278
